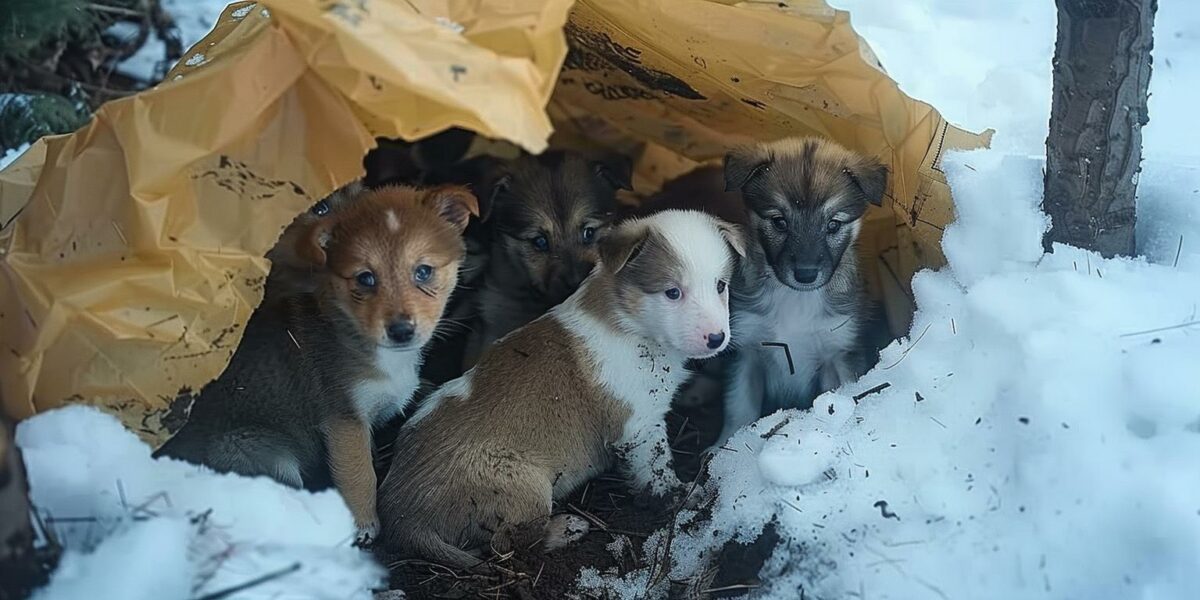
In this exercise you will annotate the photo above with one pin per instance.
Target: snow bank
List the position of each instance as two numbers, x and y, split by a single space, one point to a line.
135 527
1036 439
1036 434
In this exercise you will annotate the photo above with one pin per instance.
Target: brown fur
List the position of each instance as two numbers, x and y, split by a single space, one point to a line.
503 456
389 241
290 405
290 273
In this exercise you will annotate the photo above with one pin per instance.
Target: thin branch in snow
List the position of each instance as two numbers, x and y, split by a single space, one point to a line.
910 347
257 581
1179 326
875 390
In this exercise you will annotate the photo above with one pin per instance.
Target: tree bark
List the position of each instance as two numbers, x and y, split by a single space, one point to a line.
21 567
1094 150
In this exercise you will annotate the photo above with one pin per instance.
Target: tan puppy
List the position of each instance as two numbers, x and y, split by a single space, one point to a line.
315 371
292 273
546 406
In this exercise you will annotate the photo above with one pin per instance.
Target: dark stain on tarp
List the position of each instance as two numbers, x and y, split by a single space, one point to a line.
239 178
596 51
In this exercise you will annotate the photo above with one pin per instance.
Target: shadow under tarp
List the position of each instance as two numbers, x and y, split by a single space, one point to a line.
131 253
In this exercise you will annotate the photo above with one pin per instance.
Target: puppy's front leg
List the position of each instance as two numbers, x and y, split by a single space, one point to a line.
743 396
842 369
646 455
349 444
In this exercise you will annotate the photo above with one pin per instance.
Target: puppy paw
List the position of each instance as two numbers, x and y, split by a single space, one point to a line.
562 530
366 534
666 485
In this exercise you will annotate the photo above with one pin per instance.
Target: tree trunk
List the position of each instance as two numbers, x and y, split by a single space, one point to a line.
21 567
1094 151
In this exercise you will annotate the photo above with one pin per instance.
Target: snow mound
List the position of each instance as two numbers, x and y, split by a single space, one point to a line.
134 527
1035 439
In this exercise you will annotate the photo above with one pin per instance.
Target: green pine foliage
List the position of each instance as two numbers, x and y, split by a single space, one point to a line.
29 25
26 117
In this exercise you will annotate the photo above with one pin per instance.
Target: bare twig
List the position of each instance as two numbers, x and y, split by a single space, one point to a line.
910 347
257 581
1179 326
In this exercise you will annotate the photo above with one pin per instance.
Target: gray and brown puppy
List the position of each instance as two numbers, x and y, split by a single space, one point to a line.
799 305
547 214
545 407
316 371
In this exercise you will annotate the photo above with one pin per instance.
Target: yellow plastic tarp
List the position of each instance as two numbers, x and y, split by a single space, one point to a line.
131 250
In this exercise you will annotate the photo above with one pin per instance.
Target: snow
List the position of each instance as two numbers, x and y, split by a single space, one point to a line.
1035 435
135 527
194 18
10 156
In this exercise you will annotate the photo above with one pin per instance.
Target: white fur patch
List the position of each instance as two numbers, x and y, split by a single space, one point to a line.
703 252
455 388
705 258
641 374
377 400
393 221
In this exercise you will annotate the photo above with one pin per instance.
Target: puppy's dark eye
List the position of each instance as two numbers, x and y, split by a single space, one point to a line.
423 273
780 223
540 243
720 287
320 208
589 235
833 226
673 293
366 279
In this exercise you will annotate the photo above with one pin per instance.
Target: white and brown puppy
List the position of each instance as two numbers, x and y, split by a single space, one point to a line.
550 405
547 213
316 371
799 303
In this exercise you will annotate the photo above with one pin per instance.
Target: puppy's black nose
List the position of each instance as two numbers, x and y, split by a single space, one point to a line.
715 340
401 330
805 274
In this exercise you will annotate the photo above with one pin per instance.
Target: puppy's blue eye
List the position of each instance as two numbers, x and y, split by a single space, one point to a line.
589 234
366 279
780 223
541 243
720 287
833 226
320 208
423 273
673 293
